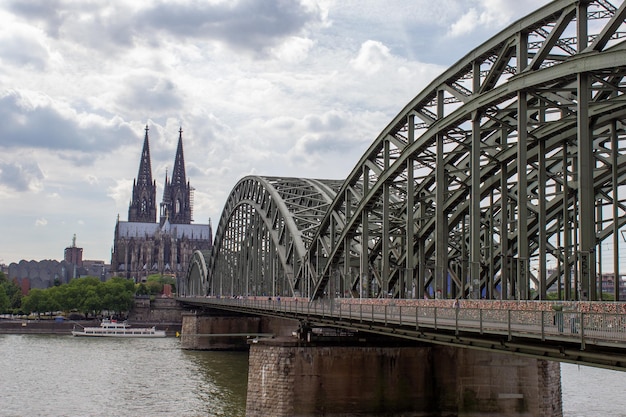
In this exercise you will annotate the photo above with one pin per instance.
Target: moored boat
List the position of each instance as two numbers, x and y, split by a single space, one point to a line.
113 328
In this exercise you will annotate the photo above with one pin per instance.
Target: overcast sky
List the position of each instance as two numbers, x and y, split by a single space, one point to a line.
275 88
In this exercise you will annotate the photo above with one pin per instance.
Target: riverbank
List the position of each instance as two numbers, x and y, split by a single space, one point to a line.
162 313
13 326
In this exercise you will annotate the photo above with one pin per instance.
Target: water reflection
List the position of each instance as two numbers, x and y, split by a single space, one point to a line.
224 382
63 375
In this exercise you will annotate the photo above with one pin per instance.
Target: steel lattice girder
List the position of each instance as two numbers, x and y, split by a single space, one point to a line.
463 191
266 225
515 153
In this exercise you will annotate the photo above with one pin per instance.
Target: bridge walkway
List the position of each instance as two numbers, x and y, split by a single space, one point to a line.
575 336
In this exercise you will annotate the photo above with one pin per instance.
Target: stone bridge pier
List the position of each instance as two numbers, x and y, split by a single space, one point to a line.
368 376
288 378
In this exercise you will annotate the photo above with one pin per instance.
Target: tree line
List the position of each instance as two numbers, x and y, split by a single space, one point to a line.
87 295
10 295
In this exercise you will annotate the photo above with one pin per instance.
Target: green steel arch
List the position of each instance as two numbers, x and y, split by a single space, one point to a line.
502 179
264 231
195 281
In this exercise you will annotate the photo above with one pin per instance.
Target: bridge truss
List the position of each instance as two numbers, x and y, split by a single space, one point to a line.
504 178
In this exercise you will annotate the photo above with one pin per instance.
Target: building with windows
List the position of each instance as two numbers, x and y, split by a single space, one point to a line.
142 245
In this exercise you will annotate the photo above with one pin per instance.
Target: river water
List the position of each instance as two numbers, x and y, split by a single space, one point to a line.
47 375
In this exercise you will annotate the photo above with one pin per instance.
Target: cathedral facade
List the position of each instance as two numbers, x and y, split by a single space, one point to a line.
144 246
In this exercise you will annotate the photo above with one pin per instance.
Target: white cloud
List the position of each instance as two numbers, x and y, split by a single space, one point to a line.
465 24
490 14
293 50
40 222
372 56
121 191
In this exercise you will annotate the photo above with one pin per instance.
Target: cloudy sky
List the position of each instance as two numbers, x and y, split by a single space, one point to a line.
272 87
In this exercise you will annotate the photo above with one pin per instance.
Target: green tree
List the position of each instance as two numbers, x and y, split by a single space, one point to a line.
141 289
154 287
60 296
88 295
12 291
118 294
153 277
33 301
92 303
40 301
72 295
4 300
156 282
66 295
128 284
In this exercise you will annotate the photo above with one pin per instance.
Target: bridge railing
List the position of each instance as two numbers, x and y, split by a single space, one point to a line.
585 327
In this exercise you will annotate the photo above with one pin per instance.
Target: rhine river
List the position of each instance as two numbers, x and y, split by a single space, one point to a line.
46 375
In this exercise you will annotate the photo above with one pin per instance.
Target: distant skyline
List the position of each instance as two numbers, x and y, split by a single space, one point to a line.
274 88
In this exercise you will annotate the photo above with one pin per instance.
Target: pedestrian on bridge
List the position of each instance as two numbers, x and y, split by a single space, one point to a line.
457 308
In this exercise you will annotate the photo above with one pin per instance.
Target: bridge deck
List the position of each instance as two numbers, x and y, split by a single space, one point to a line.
570 335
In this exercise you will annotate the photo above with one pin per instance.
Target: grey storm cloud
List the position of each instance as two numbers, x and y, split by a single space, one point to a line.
329 143
50 12
24 52
98 25
26 125
247 24
151 93
243 25
18 176
194 172
328 122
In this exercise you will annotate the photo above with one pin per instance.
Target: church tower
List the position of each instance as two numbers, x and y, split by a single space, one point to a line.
143 204
142 245
177 193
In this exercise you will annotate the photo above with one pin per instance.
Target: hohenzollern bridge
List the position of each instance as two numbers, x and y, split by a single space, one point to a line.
503 179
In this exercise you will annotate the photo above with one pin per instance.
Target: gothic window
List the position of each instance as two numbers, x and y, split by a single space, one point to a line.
177 206
144 206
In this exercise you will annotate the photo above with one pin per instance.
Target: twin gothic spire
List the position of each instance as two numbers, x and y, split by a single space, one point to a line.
176 206
143 204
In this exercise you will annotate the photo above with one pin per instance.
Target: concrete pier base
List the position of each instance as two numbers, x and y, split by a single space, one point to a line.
206 331
287 378
217 333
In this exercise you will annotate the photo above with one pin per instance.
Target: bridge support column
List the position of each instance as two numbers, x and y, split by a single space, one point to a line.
287 378
219 332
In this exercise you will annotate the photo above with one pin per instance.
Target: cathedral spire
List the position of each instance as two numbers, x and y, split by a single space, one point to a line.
143 204
145 167
177 193
178 174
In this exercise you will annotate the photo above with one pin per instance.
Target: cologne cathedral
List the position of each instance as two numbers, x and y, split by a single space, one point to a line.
144 246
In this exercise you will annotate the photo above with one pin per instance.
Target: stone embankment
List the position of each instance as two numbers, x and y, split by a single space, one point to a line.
164 313
11 326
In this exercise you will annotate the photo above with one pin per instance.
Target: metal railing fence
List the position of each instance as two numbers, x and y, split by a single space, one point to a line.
576 326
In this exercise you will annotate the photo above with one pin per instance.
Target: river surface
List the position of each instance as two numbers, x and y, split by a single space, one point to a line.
47 375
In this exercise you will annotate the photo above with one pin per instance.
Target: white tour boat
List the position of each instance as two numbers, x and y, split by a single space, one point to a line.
113 328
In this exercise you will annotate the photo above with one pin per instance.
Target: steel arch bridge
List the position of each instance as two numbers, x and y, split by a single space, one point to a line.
504 178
